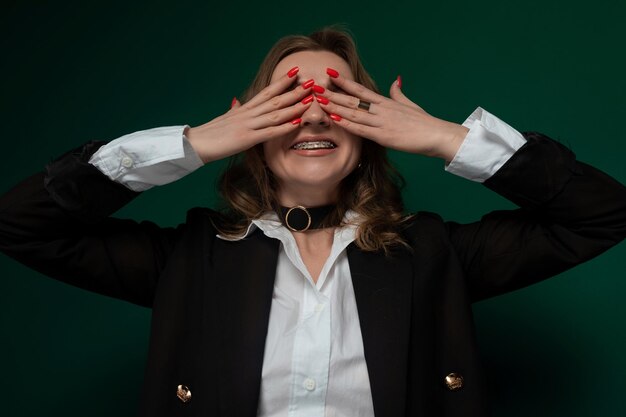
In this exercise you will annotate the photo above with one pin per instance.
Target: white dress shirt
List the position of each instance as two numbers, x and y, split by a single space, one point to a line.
314 363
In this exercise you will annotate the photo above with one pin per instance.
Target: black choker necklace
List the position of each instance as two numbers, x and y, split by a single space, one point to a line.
301 219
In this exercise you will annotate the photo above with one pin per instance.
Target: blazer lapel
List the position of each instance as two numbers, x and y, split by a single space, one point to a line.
383 287
245 271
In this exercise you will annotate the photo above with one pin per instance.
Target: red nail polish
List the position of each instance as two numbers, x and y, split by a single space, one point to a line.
293 72
399 81
308 84
296 121
307 99
322 100
335 117
318 89
333 73
232 103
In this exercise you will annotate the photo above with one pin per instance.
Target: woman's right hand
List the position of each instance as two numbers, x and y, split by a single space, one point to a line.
270 114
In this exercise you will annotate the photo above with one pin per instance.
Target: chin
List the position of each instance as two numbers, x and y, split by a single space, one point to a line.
316 183
323 177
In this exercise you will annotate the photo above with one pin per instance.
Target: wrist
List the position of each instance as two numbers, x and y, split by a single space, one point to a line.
454 136
191 133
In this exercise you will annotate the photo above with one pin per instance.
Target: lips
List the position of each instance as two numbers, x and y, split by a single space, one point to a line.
314 144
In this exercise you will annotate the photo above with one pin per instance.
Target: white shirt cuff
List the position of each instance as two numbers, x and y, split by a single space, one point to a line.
147 158
489 143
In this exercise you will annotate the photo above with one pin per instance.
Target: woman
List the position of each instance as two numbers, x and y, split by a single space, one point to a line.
312 294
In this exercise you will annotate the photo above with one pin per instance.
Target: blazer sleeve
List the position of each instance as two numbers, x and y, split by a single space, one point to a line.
57 222
569 212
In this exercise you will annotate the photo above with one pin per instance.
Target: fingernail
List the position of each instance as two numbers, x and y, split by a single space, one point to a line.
293 72
333 73
318 89
322 100
308 84
399 80
232 103
335 117
296 121
307 99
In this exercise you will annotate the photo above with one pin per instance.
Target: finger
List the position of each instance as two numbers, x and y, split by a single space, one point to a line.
235 103
355 89
396 94
361 130
283 100
344 100
273 132
352 102
355 115
279 116
273 89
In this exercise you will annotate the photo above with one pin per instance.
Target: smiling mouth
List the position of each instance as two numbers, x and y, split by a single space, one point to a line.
313 145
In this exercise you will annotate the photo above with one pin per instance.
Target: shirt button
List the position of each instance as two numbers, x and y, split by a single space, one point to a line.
319 307
309 384
127 162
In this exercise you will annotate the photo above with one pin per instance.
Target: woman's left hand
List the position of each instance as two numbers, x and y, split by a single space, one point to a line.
394 122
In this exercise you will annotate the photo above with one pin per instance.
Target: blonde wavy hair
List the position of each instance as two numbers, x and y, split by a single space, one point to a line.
249 189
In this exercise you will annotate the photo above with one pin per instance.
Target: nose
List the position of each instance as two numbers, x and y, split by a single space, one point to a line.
315 116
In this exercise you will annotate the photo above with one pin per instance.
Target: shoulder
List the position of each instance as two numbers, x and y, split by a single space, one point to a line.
425 231
205 217
422 220
202 214
209 222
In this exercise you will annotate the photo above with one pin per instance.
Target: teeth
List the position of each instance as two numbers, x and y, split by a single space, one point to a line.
318 144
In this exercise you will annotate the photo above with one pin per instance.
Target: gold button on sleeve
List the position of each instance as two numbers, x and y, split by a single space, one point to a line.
183 393
454 381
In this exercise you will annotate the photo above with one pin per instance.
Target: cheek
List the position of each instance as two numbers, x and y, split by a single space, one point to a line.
356 150
270 155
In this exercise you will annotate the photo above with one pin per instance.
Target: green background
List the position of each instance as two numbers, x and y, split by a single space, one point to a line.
72 72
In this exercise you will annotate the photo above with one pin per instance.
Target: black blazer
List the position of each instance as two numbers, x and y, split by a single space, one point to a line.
211 298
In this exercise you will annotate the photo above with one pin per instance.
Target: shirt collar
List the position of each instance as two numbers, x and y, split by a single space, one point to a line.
272 227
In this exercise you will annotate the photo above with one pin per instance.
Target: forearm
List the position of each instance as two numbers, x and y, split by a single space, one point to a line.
57 222
488 145
144 159
570 212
